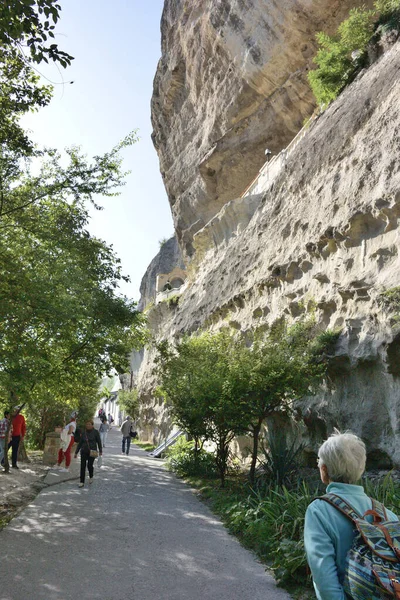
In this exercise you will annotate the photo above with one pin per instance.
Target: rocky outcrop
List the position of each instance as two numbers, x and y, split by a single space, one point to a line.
324 239
231 82
168 257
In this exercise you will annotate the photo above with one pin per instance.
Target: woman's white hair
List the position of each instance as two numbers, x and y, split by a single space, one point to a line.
344 456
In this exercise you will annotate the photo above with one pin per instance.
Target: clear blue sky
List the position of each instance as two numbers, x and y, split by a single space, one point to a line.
116 46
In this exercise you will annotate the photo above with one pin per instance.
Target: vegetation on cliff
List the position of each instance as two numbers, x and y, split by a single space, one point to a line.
340 57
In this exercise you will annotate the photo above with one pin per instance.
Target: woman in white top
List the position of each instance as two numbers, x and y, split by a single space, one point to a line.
66 443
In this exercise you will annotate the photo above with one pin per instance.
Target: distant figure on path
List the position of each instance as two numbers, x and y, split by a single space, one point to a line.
18 434
126 429
3 430
110 419
90 447
66 443
329 534
103 430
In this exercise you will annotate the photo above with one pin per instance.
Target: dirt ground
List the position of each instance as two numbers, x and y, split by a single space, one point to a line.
20 486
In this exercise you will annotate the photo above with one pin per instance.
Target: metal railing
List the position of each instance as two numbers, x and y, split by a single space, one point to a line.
166 444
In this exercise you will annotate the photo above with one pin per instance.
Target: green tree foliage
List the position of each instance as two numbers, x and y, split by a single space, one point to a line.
283 365
62 322
27 32
387 8
336 65
29 24
202 401
128 400
340 57
218 387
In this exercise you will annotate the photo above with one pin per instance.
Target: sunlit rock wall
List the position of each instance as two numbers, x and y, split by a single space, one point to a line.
325 239
230 83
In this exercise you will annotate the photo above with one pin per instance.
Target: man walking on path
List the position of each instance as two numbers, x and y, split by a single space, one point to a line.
18 434
3 431
126 429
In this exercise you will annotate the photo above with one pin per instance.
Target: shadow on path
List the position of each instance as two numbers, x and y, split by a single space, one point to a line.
136 533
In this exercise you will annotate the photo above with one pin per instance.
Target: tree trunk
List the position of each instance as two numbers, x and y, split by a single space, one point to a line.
222 458
256 436
22 455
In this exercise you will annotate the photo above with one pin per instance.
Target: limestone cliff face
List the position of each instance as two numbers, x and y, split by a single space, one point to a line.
231 82
325 237
167 258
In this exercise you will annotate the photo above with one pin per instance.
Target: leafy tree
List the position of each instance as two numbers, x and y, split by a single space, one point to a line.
30 24
218 387
62 323
129 402
281 366
27 31
202 400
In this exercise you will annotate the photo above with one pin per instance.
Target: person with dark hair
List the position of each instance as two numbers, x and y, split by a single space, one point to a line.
4 423
90 447
18 434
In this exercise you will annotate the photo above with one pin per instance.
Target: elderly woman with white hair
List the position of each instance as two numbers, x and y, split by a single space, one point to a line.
329 534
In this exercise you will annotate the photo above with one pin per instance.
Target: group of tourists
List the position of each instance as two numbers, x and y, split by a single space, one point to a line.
89 446
90 443
15 425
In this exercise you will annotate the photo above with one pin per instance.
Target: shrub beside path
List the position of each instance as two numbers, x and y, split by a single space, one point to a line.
137 533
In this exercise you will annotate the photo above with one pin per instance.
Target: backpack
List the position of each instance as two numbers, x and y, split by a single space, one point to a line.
373 562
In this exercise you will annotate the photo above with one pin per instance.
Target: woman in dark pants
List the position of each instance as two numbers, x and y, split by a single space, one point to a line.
90 441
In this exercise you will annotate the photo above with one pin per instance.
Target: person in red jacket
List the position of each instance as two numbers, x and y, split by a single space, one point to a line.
18 434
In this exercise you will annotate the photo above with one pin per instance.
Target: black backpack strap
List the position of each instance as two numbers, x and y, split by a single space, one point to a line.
342 506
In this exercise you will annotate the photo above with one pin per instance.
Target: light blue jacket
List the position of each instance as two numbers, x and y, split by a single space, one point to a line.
328 536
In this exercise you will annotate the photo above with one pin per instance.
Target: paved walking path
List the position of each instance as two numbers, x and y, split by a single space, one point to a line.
137 533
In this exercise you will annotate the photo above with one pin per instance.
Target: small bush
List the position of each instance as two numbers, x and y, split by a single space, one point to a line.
280 463
173 301
390 300
340 57
336 65
183 460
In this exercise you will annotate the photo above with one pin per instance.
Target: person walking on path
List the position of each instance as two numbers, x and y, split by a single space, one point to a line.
18 434
3 432
110 419
329 534
90 447
66 442
125 429
103 430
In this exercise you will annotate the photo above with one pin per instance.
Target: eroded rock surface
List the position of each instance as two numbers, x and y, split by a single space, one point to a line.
231 82
167 258
324 238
